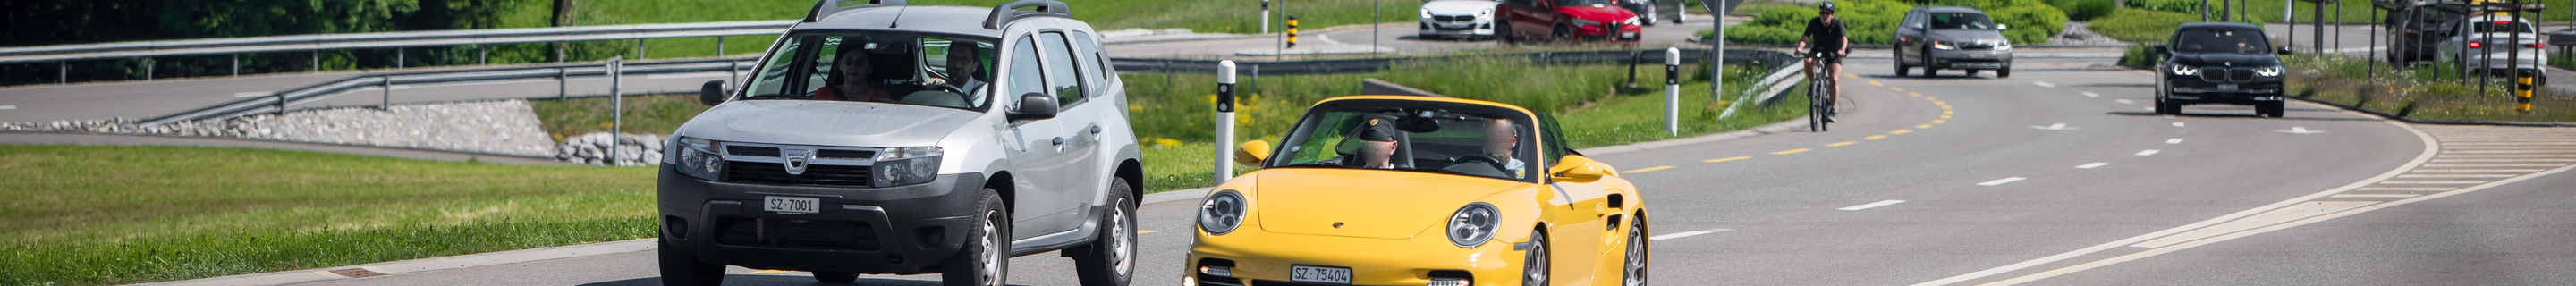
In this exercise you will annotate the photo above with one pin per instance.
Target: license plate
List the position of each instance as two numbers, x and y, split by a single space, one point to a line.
795 205
1334 275
2227 87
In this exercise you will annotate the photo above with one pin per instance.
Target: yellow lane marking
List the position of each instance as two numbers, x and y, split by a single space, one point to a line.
1844 143
1914 94
1647 169
1726 159
1875 83
1791 151
1922 126
1897 89
1939 121
1851 75
1145 231
1901 131
1945 116
1874 137
770 271
1934 100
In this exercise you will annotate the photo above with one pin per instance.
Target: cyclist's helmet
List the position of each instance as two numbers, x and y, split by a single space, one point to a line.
1827 7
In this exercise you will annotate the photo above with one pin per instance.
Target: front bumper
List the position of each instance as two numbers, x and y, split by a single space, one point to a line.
1626 33
1258 258
1970 59
1458 28
2194 90
892 230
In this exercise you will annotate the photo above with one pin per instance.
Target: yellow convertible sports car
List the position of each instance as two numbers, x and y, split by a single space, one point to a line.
1413 190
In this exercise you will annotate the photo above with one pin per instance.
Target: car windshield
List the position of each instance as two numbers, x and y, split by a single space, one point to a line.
1471 140
2499 26
1961 21
2232 41
896 68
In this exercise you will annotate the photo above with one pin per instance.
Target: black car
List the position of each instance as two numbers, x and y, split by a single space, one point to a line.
2416 27
2218 62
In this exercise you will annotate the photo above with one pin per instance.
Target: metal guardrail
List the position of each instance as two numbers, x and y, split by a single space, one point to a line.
307 43
1368 65
284 100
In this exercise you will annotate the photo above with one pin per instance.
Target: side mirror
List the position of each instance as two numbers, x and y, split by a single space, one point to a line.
2001 26
1252 153
1577 169
1034 106
712 93
2161 50
2283 50
1917 26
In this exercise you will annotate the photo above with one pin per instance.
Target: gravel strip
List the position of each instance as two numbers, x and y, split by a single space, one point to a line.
507 127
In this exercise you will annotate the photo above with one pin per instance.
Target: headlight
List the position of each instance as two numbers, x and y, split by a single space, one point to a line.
1221 213
1473 225
905 166
1941 45
1426 13
2003 46
1632 21
2185 70
1486 12
2268 71
697 157
1585 23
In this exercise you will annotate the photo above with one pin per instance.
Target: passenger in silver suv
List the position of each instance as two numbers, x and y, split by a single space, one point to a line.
882 138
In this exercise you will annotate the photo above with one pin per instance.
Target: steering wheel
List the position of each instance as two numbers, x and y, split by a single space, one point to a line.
942 86
1489 161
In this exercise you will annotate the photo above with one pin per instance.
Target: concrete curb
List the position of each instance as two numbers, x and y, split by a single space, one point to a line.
66 138
429 264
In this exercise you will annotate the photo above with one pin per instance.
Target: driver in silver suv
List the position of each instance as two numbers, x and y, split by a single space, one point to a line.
868 141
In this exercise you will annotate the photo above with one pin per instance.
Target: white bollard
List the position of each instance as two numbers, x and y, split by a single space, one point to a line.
1224 121
1673 91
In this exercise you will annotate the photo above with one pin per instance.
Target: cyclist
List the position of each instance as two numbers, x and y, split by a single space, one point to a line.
1825 36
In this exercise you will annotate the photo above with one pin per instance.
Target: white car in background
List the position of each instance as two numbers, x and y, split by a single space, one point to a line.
1458 19
2491 42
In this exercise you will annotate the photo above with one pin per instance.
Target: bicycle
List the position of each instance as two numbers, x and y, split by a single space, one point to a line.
1819 84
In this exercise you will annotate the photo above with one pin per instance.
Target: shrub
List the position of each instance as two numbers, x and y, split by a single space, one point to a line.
2140 26
2176 6
1873 21
2081 10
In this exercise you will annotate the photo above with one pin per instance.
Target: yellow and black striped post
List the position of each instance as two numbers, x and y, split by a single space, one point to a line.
2522 86
1292 31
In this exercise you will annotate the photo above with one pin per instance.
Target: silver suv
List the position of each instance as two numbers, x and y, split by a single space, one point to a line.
890 139
1951 37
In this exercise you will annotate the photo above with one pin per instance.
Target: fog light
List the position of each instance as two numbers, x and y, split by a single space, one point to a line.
1447 282
1217 270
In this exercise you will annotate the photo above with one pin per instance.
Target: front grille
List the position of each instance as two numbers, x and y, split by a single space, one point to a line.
2240 75
2226 74
837 235
1453 18
815 174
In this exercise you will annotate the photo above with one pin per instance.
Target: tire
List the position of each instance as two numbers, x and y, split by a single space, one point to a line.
2168 107
984 261
1648 16
2003 72
1562 34
1926 58
2273 110
1111 260
1634 273
1503 33
1899 56
682 269
1534 262
836 277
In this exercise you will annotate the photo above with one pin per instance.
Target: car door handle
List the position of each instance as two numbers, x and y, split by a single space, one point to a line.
1058 141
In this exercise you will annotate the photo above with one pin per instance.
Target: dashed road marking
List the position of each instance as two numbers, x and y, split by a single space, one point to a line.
2475 170
2124 101
2091 94
2147 152
1844 143
765 271
2303 130
2177 124
1726 159
1922 126
1145 231
1874 137
1871 205
2373 196
2001 181
1791 151
8 107
2044 84
2492 165
2093 165
2521 160
2403 189
1897 89
1687 234
2432 182
1901 131
2453 176
2173 141
1647 169
1875 83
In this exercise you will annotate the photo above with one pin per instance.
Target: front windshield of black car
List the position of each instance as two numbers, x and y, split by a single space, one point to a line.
1469 141
1961 21
2225 41
884 67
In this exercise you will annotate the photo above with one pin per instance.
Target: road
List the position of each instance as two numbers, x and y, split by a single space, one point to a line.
2056 178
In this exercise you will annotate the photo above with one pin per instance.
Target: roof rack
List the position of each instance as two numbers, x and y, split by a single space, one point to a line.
834 6
1008 12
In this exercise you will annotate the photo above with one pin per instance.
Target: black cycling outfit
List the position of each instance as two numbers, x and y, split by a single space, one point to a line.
1827 37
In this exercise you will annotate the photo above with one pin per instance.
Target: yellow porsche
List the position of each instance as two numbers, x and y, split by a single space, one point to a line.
1413 190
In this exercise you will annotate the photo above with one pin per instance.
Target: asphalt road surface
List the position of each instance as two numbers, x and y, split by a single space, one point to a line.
2052 178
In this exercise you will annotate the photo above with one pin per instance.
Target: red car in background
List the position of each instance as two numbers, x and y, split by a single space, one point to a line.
1566 21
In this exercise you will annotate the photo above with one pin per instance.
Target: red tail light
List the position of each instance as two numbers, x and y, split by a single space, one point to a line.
2501 22
2535 45
2477 45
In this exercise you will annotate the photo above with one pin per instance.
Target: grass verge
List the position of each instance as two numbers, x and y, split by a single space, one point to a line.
1198 16
657 114
127 214
2140 25
2422 93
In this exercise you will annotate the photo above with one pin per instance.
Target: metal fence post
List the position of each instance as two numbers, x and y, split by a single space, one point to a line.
63 72
562 89
482 56
317 61
398 58
236 64
147 69
639 49
386 82
1224 121
1672 91
720 46
616 108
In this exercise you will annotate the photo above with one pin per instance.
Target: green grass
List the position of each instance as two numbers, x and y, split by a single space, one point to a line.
658 114
2140 25
202 212
2355 12
2030 22
2428 93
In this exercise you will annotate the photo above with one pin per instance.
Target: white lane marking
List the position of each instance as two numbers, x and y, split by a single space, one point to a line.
2492 165
2300 130
1871 205
2057 126
2404 189
2173 141
2476 170
253 94
2147 152
2295 212
2433 182
2149 108
8 107
2091 94
1687 234
2453 176
2177 123
2123 101
2043 84
2001 181
2520 160
2093 165
2374 196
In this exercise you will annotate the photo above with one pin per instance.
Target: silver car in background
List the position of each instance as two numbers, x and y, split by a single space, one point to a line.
1951 37
2488 44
